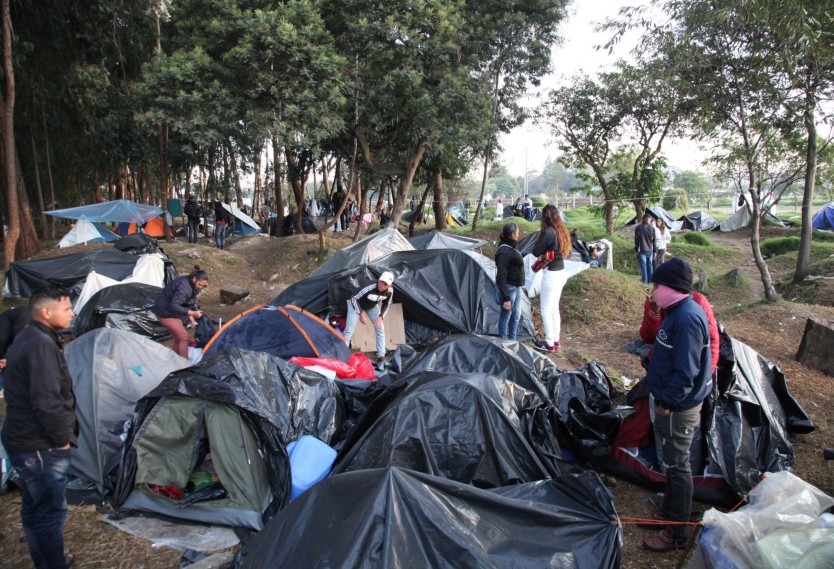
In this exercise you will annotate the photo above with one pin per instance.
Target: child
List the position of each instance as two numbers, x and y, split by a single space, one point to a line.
593 257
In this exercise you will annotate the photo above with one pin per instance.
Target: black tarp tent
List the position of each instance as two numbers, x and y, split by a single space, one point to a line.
442 291
440 240
365 251
124 307
398 519
67 271
698 221
658 212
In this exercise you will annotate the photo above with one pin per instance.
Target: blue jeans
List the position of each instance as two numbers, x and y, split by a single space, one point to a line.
43 476
353 319
508 321
193 230
220 235
676 431
646 266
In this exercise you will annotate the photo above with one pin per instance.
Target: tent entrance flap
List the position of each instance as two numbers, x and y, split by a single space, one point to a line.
188 440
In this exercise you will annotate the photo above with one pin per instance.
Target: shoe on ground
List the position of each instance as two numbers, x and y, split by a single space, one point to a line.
544 347
663 542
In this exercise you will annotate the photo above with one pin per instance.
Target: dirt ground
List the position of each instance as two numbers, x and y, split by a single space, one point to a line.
264 266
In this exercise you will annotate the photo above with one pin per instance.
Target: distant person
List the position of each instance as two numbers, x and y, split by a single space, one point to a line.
518 208
509 278
528 208
193 211
371 301
499 209
338 199
662 237
679 379
12 322
41 426
177 301
644 245
222 222
553 237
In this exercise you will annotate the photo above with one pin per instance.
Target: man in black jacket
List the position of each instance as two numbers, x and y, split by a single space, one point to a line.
193 211
40 424
644 246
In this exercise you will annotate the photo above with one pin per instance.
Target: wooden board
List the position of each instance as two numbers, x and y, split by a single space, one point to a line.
364 337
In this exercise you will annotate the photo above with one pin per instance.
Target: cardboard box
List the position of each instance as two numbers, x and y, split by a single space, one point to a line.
364 337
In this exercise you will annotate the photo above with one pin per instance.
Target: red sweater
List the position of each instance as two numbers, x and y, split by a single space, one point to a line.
651 325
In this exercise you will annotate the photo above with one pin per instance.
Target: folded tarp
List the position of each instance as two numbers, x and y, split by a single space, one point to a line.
397 519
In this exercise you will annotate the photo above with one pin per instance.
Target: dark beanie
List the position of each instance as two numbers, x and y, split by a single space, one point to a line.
674 273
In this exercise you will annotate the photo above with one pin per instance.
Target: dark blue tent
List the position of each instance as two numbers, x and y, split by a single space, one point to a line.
824 219
283 331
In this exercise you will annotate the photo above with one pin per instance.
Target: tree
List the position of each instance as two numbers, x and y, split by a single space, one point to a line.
697 186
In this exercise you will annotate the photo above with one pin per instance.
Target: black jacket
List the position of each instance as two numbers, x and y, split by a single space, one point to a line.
369 296
12 322
176 299
510 266
548 241
644 238
192 210
40 404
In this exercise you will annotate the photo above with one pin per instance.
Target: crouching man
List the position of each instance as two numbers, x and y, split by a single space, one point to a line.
371 301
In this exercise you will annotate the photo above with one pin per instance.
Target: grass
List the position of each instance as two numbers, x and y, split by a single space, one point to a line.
599 297
693 238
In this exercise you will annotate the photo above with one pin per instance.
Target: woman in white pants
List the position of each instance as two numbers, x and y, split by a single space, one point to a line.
553 237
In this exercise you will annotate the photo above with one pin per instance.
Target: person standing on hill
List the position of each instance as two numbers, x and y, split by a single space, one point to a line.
178 300
41 426
553 237
222 221
371 301
679 378
509 278
193 211
645 245
662 239
528 208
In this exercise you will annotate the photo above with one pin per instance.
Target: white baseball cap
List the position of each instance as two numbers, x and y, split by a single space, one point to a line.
387 277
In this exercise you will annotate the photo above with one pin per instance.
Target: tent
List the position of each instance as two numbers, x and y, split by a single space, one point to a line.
223 424
243 224
122 211
440 240
85 231
698 221
740 219
399 519
824 218
149 269
442 291
123 307
365 251
111 370
284 331
658 212
154 227
68 271
473 428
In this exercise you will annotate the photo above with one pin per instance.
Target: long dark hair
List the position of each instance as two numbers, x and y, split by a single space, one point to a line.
551 218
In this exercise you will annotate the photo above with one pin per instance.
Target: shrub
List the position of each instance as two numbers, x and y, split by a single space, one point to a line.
696 238
779 245
676 198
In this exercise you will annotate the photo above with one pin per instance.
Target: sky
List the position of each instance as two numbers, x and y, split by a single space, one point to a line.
531 145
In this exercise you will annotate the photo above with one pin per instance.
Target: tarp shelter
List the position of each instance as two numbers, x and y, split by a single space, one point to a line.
698 221
67 271
149 269
440 240
532 280
740 219
658 212
154 227
111 370
85 231
473 428
225 421
580 250
284 331
365 251
117 211
243 224
454 216
399 519
123 307
824 218
744 432
442 291
175 207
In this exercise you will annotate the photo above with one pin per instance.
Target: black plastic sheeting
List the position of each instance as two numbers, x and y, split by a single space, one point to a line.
442 292
472 428
124 307
440 240
137 244
398 519
279 400
698 221
67 271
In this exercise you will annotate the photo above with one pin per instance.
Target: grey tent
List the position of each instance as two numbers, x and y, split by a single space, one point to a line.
365 251
440 240
658 212
738 220
111 370
698 221
225 422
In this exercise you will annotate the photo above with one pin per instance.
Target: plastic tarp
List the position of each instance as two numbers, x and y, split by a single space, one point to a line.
111 370
532 280
284 331
365 251
740 219
440 240
122 307
124 211
275 402
472 428
243 224
658 212
824 218
85 231
149 270
67 271
397 519
698 221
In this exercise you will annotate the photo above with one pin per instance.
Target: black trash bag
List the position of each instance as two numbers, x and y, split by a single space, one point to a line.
204 331
124 307
137 244
399 519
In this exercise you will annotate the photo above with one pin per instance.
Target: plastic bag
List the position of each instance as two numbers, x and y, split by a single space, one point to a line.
343 370
363 366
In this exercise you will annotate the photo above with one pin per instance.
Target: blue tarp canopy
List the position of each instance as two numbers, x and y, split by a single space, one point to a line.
117 211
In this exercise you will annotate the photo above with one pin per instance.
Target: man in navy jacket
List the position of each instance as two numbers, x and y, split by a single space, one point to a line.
679 378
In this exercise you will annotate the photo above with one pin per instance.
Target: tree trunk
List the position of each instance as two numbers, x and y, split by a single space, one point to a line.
479 209
256 198
36 165
437 203
53 203
226 175
278 229
236 177
337 214
360 209
418 213
9 162
803 258
163 180
755 244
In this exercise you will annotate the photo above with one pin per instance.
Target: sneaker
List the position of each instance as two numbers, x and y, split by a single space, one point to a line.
545 347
